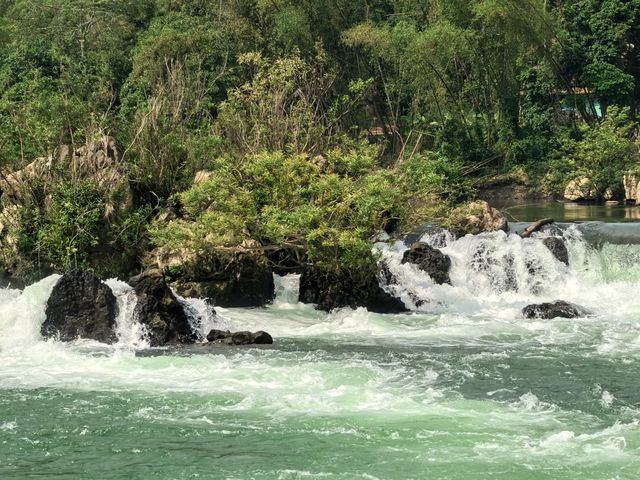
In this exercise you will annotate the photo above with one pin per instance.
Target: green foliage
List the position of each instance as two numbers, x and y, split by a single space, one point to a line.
64 226
608 82
605 151
69 229
434 172
283 200
286 106
62 71
457 70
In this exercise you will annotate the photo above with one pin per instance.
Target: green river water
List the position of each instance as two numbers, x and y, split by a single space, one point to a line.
461 388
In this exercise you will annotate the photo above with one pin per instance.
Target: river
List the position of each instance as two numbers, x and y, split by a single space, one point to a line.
460 388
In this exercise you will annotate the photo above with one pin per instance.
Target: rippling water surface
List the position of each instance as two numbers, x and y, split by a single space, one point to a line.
461 388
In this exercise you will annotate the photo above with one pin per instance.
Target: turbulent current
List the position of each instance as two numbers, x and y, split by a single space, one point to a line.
463 387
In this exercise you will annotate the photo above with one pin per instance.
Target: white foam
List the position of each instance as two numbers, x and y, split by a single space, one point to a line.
287 289
130 333
22 314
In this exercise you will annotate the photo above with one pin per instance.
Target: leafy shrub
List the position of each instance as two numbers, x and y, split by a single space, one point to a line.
434 172
65 228
605 151
329 208
70 228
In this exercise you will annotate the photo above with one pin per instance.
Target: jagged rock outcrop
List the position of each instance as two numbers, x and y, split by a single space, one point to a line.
202 176
239 338
614 195
330 290
558 248
81 306
159 310
475 218
229 281
97 161
580 189
431 260
557 309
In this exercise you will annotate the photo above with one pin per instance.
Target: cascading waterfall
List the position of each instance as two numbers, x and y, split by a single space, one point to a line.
130 333
491 272
22 313
502 270
202 315
287 288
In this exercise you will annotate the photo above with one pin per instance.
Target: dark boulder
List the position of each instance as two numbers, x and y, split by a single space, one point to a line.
239 338
160 311
557 309
431 260
558 248
330 290
81 306
245 281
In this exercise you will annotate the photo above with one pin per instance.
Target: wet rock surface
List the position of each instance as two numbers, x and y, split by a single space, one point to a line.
557 309
430 260
558 248
81 306
244 281
239 338
552 230
159 310
331 290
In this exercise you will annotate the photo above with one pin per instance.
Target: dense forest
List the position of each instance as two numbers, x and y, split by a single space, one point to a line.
293 131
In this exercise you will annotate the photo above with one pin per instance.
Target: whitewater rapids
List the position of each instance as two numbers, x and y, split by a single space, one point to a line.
462 387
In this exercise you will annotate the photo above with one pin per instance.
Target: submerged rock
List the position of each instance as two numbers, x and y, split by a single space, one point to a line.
558 248
431 260
387 276
239 338
81 306
555 309
159 310
499 269
330 290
